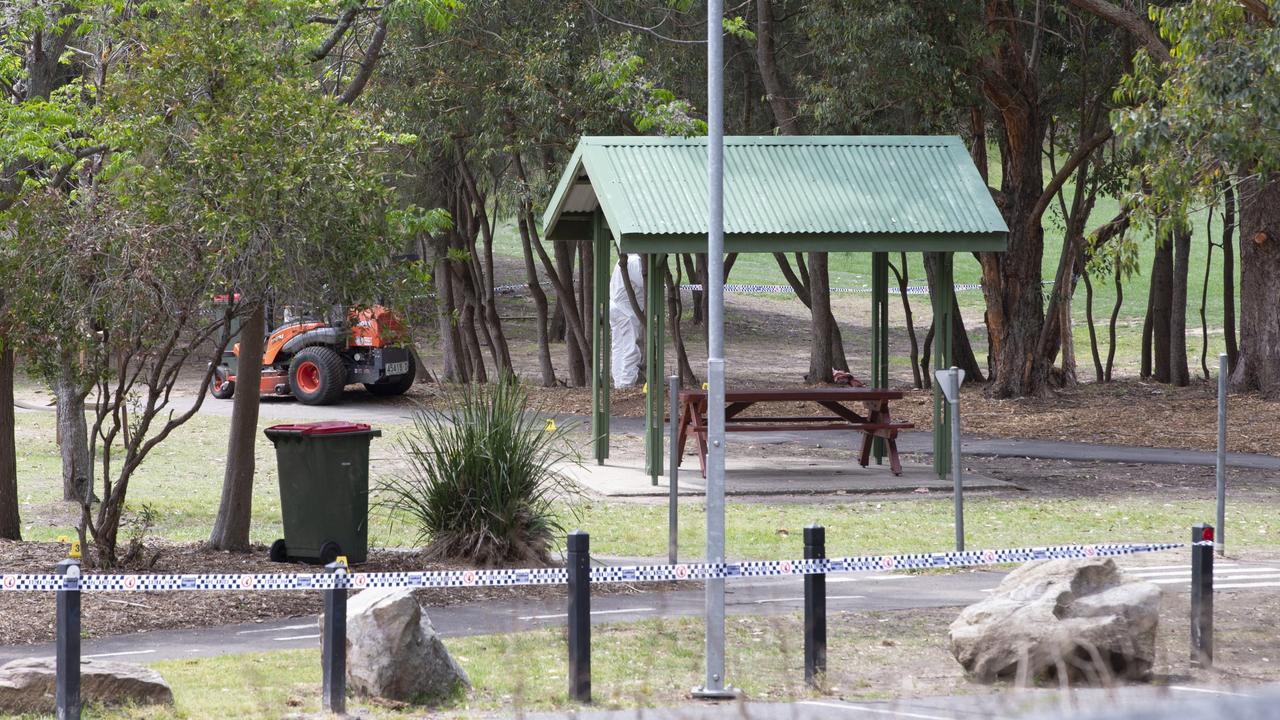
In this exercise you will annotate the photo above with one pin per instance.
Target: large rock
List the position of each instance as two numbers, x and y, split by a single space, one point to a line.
1050 617
394 652
29 686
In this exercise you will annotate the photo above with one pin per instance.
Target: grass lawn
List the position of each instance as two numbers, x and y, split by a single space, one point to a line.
757 531
182 482
637 664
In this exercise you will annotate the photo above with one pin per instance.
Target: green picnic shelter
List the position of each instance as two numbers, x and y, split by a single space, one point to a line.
875 194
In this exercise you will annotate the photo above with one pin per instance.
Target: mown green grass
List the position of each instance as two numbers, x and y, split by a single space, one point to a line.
182 482
640 664
765 531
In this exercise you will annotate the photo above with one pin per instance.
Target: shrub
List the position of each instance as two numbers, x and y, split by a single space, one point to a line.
482 477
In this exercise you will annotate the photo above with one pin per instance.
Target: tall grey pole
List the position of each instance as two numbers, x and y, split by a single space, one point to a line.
1220 536
714 686
954 380
673 468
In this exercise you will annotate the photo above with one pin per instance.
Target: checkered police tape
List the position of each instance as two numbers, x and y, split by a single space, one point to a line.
559 576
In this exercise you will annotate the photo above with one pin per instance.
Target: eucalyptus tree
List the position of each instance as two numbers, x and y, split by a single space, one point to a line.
1204 119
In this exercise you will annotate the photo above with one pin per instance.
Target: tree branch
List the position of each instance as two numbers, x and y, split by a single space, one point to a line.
371 57
1130 21
1080 155
341 25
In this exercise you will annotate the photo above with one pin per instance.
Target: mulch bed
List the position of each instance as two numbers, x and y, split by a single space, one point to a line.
1126 412
28 617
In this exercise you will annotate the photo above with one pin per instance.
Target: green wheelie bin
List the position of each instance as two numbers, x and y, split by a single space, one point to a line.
324 490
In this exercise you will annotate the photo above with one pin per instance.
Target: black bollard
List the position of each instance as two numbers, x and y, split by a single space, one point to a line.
1202 595
579 567
333 645
815 608
67 692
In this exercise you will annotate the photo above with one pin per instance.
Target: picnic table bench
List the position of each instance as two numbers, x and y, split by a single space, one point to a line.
876 423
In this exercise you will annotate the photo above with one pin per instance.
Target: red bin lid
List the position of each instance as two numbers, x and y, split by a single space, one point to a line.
328 427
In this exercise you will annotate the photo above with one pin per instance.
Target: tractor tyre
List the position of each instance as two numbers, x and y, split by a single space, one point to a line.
219 386
317 376
397 385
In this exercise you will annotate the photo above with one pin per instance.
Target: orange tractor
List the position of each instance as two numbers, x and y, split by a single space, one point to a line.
314 361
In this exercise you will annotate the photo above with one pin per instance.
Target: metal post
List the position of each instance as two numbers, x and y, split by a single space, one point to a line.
955 380
714 686
673 468
654 361
1220 539
815 608
1202 595
579 566
333 645
600 337
943 297
67 651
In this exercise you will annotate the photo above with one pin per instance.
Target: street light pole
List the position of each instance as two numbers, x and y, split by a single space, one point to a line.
714 686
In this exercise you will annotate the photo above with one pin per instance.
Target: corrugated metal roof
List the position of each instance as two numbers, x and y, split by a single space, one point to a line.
811 185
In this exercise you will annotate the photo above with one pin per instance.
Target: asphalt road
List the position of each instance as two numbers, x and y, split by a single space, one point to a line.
756 596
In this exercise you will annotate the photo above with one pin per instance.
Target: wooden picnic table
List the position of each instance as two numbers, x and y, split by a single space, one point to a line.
876 423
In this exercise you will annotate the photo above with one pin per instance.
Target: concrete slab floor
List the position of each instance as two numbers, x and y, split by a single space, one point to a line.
772 476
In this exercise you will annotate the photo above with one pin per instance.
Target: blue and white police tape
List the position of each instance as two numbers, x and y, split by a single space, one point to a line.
559 576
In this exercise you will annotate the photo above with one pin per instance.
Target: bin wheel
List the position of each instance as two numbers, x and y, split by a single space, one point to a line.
329 552
279 553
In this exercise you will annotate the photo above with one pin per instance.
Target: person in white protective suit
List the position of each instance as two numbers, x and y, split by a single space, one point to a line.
624 325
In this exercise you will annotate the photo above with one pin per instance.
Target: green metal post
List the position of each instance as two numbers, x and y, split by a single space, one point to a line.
600 340
943 299
879 334
654 370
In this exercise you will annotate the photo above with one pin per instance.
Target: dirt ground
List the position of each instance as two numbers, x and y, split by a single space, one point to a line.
912 659
767 342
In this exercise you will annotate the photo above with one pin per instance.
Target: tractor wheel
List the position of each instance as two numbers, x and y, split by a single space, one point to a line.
397 385
317 376
220 387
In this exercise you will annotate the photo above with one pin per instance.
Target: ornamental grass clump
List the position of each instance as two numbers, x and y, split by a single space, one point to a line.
483 477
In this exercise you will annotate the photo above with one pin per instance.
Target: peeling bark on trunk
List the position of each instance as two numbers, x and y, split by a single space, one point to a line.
10 522
231 526
1258 367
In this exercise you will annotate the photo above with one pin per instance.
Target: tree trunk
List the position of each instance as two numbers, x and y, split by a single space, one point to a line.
1204 298
1111 326
1161 309
1258 367
687 377
1011 280
820 346
1229 274
455 369
231 526
1144 370
10 523
961 349
527 228
1098 373
559 325
904 280
1179 375
73 434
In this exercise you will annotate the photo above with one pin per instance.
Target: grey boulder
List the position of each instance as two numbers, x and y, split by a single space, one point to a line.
1081 619
394 652
28 686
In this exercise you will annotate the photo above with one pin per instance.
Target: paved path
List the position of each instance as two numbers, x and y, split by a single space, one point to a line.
1170 702
756 596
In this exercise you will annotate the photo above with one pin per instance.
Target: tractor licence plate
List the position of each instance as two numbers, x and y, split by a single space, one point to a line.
398 368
